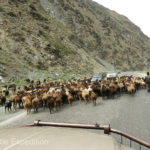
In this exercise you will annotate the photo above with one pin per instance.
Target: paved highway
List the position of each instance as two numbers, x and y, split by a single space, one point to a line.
127 113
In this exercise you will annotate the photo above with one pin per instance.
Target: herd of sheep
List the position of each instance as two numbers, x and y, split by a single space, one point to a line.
54 94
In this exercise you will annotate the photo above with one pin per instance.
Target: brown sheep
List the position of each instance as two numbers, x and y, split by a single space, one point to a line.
35 104
2 99
93 97
6 92
86 94
27 105
58 101
121 86
79 95
131 89
51 104
16 99
70 97
12 87
45 98
27 102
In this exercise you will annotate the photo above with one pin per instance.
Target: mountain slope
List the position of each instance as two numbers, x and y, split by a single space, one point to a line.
104 33
67 37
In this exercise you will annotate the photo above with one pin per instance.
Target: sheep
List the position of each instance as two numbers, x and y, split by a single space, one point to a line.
45 97
53 93
70 97
121 86
51 104
104 90
16 99
35 104
93 97
2 99
58 101
5 91
131 88
8 105
27 104
12 87
85 94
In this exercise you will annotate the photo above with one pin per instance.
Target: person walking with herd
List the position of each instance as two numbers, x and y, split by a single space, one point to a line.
147 81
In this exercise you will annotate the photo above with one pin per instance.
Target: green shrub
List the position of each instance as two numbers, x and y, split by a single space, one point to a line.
1 9
56 47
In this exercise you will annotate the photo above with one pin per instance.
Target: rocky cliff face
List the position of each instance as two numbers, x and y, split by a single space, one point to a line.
67 37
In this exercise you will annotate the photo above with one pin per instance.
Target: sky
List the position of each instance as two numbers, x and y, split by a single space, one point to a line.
138 11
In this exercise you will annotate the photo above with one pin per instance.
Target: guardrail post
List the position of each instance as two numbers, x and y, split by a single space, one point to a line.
130 143
107 129
121 139
36 123
140 146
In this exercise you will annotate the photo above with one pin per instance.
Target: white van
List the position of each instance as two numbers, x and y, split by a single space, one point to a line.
111 74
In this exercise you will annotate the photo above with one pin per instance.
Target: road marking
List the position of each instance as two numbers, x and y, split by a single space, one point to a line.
8 121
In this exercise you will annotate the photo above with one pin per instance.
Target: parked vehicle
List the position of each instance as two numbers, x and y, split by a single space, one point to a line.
111 74
97 77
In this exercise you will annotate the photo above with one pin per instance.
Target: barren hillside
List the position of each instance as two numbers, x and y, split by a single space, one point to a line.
67 37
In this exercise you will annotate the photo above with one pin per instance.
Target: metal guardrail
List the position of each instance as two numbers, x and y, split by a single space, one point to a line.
106 128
